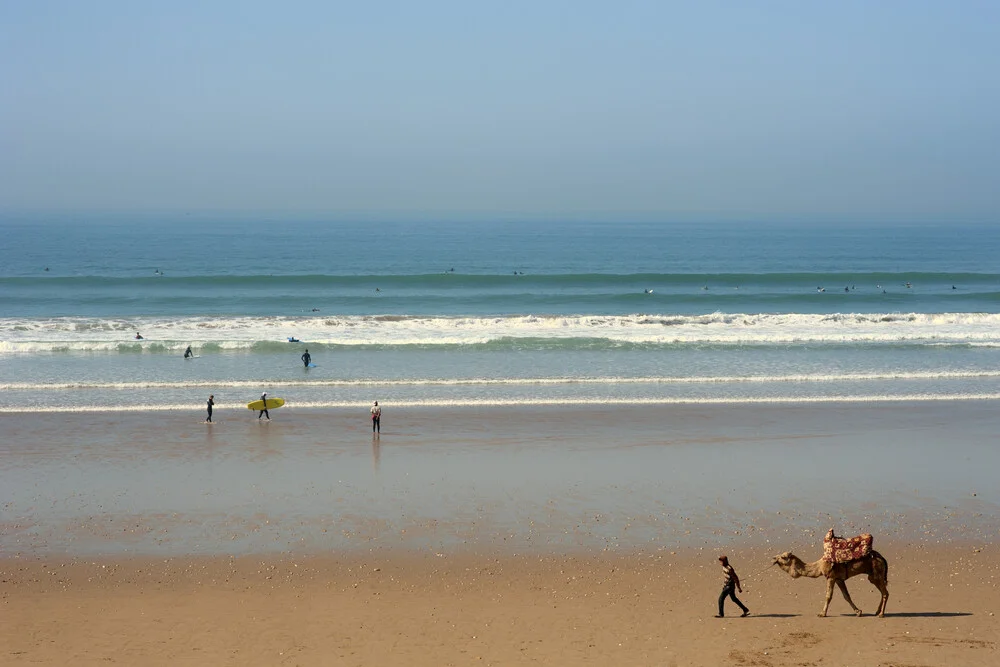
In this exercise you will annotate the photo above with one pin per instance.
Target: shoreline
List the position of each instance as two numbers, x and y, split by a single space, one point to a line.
307 407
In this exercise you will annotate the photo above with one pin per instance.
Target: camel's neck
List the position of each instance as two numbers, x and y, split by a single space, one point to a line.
798 568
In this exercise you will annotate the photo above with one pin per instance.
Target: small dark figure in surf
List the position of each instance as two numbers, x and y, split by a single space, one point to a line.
211 402
730 584
138 336
306 358
264 412
376 418
188 353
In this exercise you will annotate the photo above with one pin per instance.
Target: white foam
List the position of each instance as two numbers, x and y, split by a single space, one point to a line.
726 379
21 335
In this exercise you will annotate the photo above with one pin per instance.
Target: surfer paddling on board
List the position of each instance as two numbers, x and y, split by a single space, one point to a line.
138 336
263 411
306 358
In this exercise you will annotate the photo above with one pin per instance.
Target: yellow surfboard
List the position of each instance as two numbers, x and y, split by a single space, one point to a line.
272 404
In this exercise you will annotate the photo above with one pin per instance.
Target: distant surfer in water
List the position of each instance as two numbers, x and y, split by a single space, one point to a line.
188 353
211 402
138 336
306 358
376 418
264 412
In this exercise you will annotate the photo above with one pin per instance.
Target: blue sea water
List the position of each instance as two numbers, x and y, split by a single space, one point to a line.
509 312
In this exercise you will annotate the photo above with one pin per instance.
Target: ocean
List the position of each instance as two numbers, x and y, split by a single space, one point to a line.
492 314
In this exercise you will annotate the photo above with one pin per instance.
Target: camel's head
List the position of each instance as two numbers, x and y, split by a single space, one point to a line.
784 561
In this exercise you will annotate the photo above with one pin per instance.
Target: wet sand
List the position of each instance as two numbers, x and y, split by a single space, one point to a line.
494 536
534 479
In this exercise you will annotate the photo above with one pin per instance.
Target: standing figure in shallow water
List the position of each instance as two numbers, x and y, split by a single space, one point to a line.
376 418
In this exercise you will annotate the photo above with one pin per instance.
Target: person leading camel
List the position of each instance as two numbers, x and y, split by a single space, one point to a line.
731 584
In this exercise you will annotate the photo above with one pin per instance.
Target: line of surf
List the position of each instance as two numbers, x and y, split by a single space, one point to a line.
501 403
447 382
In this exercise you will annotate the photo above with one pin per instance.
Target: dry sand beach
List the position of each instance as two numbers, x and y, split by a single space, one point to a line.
565 535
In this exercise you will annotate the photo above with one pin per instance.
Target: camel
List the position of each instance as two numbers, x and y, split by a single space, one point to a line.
874 565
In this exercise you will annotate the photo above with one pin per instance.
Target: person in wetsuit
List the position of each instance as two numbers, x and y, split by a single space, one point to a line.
188 353
306 358
264 412
211 403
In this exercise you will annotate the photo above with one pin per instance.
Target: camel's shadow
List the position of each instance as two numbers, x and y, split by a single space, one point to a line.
928 614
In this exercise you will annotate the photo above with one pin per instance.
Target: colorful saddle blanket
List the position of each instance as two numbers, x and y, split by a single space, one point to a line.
844 550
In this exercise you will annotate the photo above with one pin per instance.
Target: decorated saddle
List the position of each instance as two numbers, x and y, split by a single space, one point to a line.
845 549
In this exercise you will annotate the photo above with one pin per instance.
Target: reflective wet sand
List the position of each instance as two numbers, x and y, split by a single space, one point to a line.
522 480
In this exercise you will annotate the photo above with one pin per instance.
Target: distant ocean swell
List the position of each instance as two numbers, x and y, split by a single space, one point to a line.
472 280
270 334
454 294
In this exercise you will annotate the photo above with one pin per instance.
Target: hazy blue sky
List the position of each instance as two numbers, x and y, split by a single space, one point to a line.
866 110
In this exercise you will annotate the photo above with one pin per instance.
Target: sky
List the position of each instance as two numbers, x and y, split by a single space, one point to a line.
853 110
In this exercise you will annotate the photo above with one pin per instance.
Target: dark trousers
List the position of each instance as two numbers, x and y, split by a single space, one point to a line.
209 415
264 413
376 424
730 592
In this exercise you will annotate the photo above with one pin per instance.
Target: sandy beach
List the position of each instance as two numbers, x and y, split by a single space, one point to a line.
631 609
510 536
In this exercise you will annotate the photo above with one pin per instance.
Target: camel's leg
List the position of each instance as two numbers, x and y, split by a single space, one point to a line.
829 596
884 590
847 596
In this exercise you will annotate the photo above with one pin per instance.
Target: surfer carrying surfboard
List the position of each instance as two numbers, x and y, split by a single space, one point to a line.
306 358
263 410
